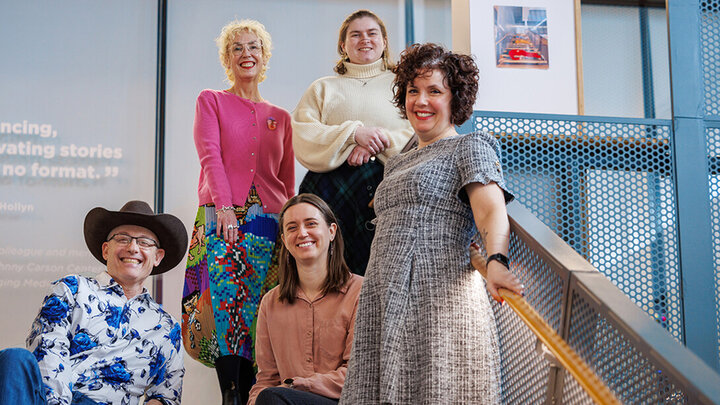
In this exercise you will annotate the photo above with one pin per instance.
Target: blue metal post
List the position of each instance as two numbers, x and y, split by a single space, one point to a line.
160 126
648 91
409 23
693 205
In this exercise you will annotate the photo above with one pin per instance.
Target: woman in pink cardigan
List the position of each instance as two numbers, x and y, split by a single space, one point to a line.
305 324
247 173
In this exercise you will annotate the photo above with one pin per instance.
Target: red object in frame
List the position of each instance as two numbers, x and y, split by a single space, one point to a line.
515 54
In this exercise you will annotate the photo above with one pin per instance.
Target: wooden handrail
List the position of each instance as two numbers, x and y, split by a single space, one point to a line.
566 356
570 360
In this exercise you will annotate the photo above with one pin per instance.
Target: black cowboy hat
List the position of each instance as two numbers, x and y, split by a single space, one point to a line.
171 232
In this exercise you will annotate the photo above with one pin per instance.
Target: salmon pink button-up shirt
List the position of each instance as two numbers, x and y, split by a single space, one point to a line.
308 341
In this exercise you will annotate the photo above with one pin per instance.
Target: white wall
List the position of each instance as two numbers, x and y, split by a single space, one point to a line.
612 61
552 90
433 21
93 85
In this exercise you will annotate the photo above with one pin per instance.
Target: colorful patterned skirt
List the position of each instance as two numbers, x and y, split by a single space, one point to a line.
224 282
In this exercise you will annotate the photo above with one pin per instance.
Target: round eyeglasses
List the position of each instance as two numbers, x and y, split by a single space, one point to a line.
253 48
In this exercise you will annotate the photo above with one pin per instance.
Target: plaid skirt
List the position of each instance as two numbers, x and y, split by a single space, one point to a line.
224 282
348 190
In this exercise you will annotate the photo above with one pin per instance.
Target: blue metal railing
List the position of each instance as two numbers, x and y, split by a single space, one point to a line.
606 186
629 351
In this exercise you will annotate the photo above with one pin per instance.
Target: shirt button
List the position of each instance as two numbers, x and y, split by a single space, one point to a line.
253 124
309 359
309 333
253 136
252 153
252 111
252 170
264 206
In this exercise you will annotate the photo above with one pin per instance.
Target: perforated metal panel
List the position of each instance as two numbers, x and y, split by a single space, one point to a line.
713 151
606 187
573 393
615 359
628 351
710 32
525 373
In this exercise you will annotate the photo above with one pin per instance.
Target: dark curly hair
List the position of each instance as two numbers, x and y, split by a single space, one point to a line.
461 77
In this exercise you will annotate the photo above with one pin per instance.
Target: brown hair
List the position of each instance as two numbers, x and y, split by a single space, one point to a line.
338 271
340 66
461 77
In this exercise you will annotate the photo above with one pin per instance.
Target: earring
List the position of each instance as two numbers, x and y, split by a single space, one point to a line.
331 248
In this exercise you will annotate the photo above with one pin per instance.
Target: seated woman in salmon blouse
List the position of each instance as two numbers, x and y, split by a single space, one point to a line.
305 324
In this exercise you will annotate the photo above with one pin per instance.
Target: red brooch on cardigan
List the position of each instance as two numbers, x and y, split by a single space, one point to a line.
271 123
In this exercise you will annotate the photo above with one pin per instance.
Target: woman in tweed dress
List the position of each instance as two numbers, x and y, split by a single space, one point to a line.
425 331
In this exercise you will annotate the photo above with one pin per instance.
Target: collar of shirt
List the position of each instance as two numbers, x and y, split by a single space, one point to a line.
106 282
300 294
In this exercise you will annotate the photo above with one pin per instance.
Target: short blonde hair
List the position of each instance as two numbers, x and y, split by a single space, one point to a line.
227 35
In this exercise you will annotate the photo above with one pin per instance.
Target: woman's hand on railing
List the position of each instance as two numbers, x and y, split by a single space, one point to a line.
500 277
506 285
496 275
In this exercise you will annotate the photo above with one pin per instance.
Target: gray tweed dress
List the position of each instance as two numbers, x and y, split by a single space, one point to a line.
425 332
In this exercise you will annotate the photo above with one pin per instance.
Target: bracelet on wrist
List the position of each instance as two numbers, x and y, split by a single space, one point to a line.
500 258
224 208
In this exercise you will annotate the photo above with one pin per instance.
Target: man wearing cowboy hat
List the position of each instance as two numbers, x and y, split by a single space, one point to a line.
104 339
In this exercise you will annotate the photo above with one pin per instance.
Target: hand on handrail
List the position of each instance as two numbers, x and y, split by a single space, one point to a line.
567 357
500 277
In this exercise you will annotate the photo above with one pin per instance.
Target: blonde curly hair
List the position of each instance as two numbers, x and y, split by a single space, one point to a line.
227 35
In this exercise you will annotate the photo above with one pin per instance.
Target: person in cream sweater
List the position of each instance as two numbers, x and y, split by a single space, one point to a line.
345 127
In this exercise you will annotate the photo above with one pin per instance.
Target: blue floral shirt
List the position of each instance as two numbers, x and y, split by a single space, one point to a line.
89 337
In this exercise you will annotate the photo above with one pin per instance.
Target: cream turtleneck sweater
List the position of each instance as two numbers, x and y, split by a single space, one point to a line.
333 107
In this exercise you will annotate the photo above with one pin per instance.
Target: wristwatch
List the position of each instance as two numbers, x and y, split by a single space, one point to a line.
500 258
288 381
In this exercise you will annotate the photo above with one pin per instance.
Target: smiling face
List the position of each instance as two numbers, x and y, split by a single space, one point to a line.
306 235
129 265
364 42
246 57
427 103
